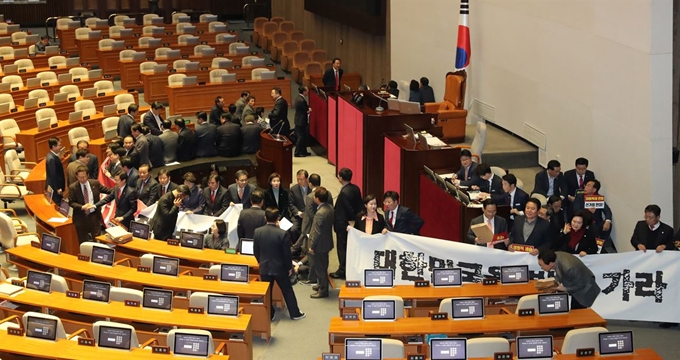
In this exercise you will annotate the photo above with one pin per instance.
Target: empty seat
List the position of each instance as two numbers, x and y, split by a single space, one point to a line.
86 106
71 90
212 24
24 64
104 86
46 115
41 94
176 16
106 44
198 49
268 31
79 73
248 60
13 80
161 52
175 79
216 75
147 67
256 74
216 62
123 100
7 52
7 99
148 19
82 33
179 64
120 19
144 41
114 31
47 77
57 60
19 37
179 28
126 54
91 22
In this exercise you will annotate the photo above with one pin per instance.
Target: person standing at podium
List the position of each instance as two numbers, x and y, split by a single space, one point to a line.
302 111
54 170
278 117
333 76
83 196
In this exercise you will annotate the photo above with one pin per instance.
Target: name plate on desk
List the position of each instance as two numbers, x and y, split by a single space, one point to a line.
133 303
350 316
526 312
421 283
145 269
158 349
173 242
86 341
502 356
196 310
15 331
35 244
82 257
73 294
585 352
353 284
415 357
439 316
489 281
209 277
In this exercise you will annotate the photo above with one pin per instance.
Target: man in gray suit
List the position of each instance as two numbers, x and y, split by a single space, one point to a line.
572 277
496 224
169 139
321 241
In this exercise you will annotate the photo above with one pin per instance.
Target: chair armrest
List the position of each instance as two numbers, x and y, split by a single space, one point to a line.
149 342
186 272
10 211
25 234
505 311
220 348
81 331
123 260
13 318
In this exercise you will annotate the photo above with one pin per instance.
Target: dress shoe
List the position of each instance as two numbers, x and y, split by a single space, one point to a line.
317 295
315 287
338 275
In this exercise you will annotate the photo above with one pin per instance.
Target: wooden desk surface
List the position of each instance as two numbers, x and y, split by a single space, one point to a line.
65 349
140 246
490 324
467 290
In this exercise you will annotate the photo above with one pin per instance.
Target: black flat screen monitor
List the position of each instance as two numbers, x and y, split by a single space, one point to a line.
466 309
165 266
39 281
534 347
378 310
96 290
50 243
139 230
246 247
447 277
223 305
448 349
157 299
103 255
234 273
191 240
378 278
191 344
549 304
363 349
41 328
616 343
516 274
114 337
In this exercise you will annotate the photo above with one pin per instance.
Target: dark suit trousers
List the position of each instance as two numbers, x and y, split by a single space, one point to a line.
342 249
287 290
319 271
302 132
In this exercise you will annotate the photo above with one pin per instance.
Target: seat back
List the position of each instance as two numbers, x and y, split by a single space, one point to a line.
527 302
106 44
179 64
297 35
581 339
114 31
75 135
286 26
398 303
126 54
19 37
41 94
24 64
82 33
121 294
486 346
307 45
247 60
479 140
104 86
61 333
216 75
86 106
7 99
71 90
120 19
147 67
393 349
13 80
45 115
171 338
134 342
9 127
79 73
256 74
175 79
47 77
57 60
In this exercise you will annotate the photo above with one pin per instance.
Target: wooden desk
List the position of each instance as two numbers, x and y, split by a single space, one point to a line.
190 99
425 299
491 324
255 298
40 210
67 350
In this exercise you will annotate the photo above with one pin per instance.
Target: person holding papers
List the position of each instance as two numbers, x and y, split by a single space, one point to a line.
277 197
217 238
572 276
529 232
495 224
369 220
578 237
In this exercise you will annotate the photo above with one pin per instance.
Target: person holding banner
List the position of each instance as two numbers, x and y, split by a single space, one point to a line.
651 233
496 224
369 220
572 276
578 237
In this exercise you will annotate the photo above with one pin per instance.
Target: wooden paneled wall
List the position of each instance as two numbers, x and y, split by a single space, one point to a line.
366 54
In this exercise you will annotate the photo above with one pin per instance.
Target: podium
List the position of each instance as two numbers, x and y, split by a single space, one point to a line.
275 155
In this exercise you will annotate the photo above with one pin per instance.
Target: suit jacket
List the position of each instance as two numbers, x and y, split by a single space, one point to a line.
283 203
76 199
347 206
587 242
186 145
378 226
406 221
576 278
228 139
165 218
272 250
310 211
571 181
150 121
156 150
126 204
133 176
71 176
194 202
54 171
133 154
148 194
92 166
321 232
125 122
472 175
247 110
499 226
221 203
329 78
240 106
205 140
170 140
171 186
278 117
233 194
250 134
142 146
249 220
663 235
297 200
215 115
301 107
540 237
541 184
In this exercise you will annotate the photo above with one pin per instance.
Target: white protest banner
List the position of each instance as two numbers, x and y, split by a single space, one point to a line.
635 285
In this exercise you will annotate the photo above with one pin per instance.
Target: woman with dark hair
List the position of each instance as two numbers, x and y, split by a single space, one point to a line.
277 197
217 236
414 91
369 220
578 236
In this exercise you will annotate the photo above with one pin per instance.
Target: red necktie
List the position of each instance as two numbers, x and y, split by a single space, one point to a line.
212 197
337 80
580 181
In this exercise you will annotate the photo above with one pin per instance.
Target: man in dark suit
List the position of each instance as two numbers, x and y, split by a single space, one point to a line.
513 196
156 150
272 250
130 151
333 76
147 188
651 233
399 218
487 182
170 140
126 121
302 111
251 218
321 242
308 215
83 196
348 205
278 117
93 161
426 91
164 184
574 180
551 181
153 119
239 192
467 175
54 169
496 224
186 142
165 219
205 136
529 229
216 197
126 200
250 134
572 275
228 138
216 111
132 173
